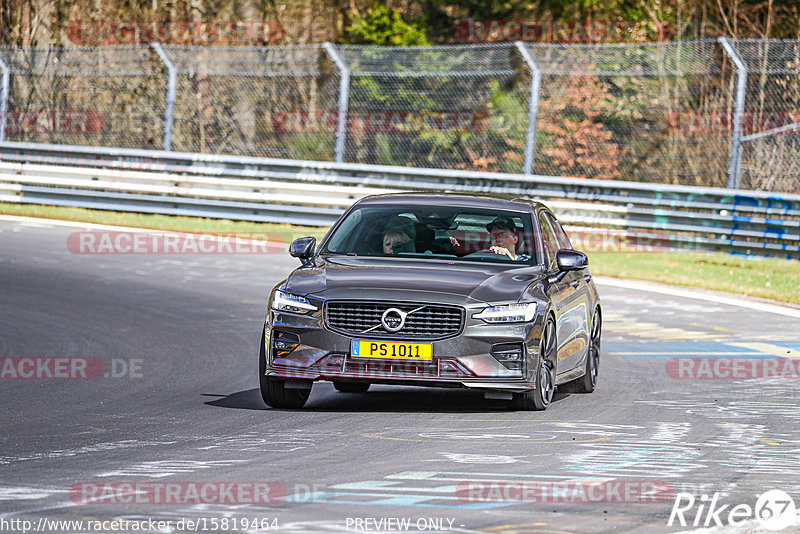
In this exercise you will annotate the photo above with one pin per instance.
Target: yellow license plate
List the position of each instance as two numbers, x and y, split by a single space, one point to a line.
392 350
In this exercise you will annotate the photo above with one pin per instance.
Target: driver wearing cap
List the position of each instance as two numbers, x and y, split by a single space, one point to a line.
505 237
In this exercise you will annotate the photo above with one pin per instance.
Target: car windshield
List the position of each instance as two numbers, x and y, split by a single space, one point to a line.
451 233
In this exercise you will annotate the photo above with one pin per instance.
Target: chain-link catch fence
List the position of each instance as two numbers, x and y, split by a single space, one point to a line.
652 112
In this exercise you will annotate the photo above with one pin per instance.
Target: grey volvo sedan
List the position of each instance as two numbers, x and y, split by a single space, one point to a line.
435 290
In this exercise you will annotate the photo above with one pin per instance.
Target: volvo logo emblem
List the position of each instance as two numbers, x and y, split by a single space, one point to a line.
393 319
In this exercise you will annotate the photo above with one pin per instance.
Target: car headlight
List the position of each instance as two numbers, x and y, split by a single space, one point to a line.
508 313
287 302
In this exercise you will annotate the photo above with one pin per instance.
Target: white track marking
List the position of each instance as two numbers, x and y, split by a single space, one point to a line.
698 294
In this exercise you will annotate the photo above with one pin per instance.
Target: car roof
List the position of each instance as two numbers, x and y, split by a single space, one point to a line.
452 199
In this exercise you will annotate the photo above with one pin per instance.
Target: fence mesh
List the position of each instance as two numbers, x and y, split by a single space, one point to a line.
630 111
110 96
269 101
448 106
771 159
651 112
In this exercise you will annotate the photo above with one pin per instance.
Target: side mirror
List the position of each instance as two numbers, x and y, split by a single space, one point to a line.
571 260
303 248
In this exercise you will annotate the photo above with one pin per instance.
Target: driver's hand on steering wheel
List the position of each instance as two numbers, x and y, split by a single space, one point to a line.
500 250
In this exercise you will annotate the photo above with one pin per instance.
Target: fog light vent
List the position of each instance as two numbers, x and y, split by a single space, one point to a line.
283 343
451 368
509 354
334 363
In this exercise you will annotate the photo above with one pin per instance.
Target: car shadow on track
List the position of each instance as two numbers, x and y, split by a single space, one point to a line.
378 399
249 399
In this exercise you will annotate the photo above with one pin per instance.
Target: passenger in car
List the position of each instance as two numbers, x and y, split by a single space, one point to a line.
392 238
398 230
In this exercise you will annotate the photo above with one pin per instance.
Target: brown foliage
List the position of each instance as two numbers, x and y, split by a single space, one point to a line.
579 143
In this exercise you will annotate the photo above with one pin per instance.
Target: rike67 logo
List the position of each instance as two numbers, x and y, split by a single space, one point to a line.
774 510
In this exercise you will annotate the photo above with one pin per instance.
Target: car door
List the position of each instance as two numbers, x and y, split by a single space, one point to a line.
570 301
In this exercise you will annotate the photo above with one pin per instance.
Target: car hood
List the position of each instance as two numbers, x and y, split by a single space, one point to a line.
343 277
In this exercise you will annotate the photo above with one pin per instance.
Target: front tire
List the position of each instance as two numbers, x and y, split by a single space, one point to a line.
351 387
274 391
540 397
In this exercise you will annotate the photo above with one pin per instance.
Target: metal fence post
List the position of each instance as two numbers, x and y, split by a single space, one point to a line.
344 98
172 80
735 160
5 78
533 105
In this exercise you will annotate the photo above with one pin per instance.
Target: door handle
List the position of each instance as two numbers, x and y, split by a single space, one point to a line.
574 283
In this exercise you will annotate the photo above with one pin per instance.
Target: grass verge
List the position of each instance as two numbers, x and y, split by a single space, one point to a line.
275 232
770 278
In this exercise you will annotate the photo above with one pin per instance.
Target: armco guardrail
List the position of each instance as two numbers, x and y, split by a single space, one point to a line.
315 193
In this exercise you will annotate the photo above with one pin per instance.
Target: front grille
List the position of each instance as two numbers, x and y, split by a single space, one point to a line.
431 322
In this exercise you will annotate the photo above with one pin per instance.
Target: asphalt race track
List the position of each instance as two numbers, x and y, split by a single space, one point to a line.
695 396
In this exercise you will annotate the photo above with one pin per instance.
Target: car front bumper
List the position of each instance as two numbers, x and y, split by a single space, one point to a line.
464 360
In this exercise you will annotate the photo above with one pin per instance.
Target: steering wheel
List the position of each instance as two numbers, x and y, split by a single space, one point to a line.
485 255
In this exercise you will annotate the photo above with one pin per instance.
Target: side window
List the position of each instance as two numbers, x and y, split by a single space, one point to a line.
561 235
549 241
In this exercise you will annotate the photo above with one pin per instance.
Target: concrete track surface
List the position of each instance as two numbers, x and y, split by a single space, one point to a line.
697 398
